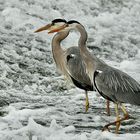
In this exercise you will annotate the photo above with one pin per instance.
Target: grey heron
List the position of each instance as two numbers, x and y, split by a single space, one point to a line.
111 83
69 61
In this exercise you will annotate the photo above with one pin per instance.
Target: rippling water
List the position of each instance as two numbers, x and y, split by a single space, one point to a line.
35 101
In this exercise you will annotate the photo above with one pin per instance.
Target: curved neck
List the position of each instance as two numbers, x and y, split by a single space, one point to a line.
90 60
57 39
58 52
83 36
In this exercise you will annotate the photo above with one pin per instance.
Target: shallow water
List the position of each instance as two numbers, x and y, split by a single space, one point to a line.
35 100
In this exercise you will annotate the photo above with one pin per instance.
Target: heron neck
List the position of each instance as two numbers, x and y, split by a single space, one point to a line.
82 43
90 59
56 41
58 52
83 37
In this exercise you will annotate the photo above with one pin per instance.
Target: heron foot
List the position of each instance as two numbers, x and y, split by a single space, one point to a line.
106 128
117 123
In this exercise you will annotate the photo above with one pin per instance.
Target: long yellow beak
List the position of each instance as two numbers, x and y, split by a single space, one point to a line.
51 28
46 27
57 29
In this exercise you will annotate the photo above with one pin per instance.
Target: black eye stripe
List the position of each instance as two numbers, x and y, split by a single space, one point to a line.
73 21
58 20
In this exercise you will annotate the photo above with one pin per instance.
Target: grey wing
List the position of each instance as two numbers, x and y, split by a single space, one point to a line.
76 66
118 86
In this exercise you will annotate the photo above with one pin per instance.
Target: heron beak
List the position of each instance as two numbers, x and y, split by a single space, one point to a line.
46 27
58 29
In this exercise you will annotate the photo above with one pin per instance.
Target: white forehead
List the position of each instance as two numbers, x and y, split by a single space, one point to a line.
59 23
73 25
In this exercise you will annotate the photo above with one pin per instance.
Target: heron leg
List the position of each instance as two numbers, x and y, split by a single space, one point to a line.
119 120
108 107
87 102
126 115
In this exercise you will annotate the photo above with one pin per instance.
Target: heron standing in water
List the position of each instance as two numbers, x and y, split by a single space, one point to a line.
69 61
111 83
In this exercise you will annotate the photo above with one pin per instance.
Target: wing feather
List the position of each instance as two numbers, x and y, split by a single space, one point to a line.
118 86
76 66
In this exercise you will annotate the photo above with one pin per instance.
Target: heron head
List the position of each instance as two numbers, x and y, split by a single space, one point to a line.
55 26
72 24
